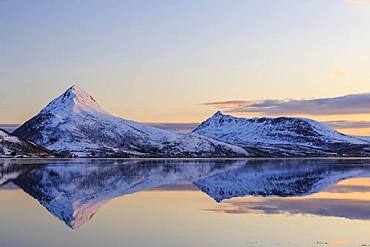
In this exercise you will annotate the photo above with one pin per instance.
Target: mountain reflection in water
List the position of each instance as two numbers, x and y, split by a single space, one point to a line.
74 190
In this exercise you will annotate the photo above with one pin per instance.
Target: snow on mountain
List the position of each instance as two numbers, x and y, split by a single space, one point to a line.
305 134
6 137
75 123
12 146
282 130
364 138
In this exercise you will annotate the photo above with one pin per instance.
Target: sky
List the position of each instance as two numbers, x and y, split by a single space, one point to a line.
181 61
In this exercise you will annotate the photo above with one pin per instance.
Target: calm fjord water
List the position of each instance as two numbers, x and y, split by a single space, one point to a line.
303 202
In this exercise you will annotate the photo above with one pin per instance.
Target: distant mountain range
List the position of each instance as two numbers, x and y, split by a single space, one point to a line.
12 146
283 136
74 125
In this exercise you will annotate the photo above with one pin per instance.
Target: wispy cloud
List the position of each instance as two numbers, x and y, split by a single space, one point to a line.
346 208
343 105
340 188
344 124
339 73
359 1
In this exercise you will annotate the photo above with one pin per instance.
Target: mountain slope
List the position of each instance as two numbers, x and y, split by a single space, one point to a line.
283 136
12 146
75 123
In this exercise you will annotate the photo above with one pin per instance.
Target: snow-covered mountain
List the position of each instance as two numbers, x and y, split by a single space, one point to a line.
282 136
74 123
12 146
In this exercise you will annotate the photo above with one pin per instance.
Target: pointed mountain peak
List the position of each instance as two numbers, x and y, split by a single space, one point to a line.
218 114
75 89
73 98
216 119
80 95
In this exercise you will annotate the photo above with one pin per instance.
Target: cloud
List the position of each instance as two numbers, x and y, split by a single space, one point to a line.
344 124
229 104
343 105
344 208
359 1
339 188
339 73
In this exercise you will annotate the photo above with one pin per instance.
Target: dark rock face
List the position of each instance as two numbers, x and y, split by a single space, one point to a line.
32 129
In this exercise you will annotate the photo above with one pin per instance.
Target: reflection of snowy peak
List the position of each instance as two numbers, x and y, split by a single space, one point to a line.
10 171
75 123
12 146
291 178
74 192
295 136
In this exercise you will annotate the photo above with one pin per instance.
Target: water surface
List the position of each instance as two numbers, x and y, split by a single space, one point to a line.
302 202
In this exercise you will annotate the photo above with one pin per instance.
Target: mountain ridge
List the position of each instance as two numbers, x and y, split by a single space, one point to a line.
12 146
282 136
74 123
